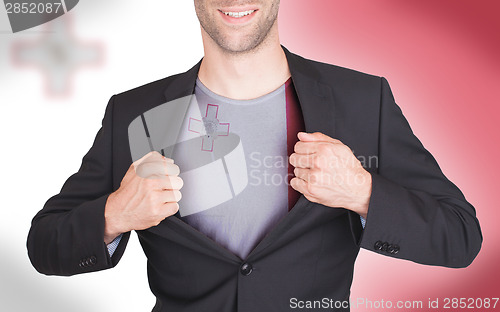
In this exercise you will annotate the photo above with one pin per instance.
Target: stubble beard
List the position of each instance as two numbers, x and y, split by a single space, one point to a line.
247 44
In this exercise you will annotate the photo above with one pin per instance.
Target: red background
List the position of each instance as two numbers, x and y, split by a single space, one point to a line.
441 59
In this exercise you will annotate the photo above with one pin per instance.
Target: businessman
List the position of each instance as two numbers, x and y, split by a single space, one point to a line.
258 245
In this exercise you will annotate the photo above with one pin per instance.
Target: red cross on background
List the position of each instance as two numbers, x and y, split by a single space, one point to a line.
213 127
58 54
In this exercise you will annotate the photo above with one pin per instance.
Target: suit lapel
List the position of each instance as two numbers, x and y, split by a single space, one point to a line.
315 98
182 84
317 106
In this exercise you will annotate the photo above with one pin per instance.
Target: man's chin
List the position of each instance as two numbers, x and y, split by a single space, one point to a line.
239 45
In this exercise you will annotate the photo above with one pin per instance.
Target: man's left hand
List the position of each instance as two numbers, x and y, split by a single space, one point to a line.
327 172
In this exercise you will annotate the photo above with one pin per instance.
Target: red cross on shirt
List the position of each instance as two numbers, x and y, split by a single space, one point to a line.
213 127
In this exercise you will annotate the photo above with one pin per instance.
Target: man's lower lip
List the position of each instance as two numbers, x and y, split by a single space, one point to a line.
237 20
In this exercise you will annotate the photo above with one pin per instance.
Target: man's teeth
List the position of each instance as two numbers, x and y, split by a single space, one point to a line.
239 14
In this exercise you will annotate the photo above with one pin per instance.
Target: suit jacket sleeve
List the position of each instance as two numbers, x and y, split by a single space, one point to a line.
67 235
414 209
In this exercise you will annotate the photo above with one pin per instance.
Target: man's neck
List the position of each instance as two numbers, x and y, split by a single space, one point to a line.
244 76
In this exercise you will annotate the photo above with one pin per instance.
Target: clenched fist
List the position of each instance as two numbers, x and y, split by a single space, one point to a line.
148 193
327 172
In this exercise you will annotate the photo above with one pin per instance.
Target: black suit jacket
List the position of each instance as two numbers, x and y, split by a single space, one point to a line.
415 212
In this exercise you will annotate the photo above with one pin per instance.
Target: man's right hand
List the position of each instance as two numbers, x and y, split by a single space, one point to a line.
148 193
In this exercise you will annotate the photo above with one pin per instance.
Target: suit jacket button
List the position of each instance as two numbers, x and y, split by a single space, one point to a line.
378 245
396 249
246 269
390 249
384 246
93 260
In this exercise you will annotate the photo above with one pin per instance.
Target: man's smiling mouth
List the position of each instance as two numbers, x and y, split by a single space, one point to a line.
239 14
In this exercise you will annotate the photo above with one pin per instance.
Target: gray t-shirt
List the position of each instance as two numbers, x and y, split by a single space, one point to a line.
247 138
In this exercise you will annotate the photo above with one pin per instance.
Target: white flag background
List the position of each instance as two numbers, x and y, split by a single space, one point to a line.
55 81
